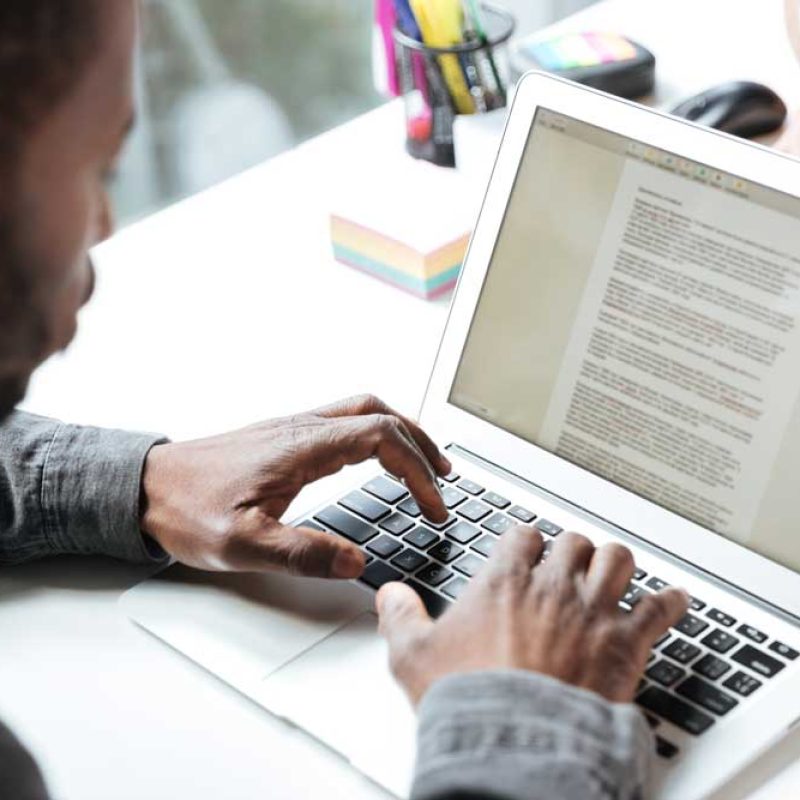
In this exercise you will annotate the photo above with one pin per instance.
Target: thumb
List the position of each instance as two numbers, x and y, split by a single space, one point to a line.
303 551
401 613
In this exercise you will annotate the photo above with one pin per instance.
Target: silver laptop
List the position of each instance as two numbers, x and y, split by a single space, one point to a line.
622 358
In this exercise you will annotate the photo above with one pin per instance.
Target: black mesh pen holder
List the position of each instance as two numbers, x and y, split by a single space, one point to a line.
438 83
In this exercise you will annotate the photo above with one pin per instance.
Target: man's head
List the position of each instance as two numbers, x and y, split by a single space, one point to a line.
66 104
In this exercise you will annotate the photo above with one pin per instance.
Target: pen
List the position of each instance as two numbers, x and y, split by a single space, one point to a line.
474 14
440 24
420 114
385 19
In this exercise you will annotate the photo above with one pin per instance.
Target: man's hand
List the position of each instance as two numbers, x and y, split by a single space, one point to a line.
560 619
216 503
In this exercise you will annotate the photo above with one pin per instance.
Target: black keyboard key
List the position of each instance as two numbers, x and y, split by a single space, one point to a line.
455 587
485 544
704 694
440 526
546 550
652 721
474 510
742 684
421 537
656 584
498 523
409 506
384 546
470 486
720 641
308 523
397 524
674 710
452 497
711 667
783 650
462 532
757 661
445 551
690 625
469 565
390 492
433 574
409 560
665 673
665 749
681 651
550 528
752 633
496 500
720 617
633 594
365 506
345 524
452 477
377 573
522 514
639 574
695 604
434 603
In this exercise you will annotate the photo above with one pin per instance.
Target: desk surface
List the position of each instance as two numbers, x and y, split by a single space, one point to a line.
222 310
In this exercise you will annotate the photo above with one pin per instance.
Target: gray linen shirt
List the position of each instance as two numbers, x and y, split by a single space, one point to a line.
491 735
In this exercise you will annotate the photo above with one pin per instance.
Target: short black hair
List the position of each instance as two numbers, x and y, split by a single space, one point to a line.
44 46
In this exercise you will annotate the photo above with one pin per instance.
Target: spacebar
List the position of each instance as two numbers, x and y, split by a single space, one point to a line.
435 603
674 710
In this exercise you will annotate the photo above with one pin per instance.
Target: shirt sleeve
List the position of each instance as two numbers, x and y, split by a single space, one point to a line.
71 489
20 776
514 735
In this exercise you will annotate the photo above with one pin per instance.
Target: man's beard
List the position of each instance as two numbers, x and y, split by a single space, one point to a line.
12 391
22 334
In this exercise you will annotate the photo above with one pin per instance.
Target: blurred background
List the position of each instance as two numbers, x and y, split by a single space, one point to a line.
225 85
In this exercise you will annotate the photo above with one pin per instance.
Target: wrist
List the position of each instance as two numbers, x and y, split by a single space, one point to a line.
152 500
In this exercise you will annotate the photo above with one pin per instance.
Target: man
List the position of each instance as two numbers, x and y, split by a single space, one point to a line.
523 688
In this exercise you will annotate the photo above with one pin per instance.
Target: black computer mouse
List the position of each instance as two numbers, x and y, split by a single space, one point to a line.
741 108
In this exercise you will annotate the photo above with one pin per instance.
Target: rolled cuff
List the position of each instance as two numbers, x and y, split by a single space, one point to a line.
91 493
514 734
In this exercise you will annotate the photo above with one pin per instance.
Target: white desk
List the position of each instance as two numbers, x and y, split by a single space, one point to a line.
222 310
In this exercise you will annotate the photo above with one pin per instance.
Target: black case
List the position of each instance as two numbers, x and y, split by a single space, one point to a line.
633 78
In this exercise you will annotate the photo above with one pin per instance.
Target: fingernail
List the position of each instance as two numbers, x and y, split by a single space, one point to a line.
348 564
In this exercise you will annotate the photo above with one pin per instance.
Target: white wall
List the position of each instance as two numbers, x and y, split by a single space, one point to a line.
533 14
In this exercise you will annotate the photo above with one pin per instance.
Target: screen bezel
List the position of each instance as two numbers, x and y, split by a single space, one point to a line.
731 562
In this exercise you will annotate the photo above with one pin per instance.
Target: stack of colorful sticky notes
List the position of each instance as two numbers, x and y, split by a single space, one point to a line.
407 223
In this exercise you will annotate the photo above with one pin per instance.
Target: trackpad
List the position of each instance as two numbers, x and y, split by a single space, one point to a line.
242 627
342 692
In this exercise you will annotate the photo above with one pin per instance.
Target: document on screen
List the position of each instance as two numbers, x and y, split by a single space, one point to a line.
683 367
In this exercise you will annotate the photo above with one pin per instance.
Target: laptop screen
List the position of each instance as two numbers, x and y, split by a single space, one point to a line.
640 319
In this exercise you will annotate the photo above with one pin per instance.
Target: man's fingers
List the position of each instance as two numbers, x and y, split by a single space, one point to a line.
515 555
571 554
357 406
656 613
261 546
610 571
402 615
439 462
400 456
367 405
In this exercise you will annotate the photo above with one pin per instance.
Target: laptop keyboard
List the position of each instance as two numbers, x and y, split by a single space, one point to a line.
703 669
